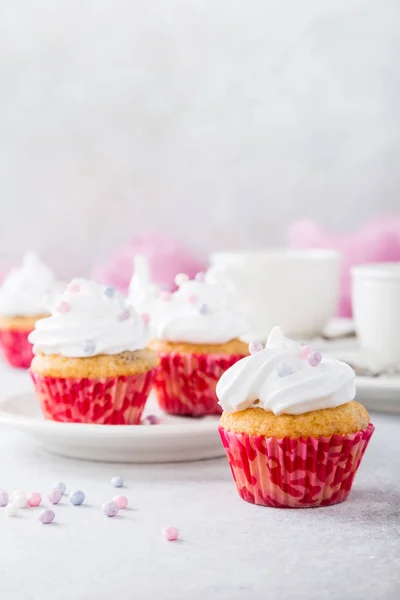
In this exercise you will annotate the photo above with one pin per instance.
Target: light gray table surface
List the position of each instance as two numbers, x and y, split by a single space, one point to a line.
229 550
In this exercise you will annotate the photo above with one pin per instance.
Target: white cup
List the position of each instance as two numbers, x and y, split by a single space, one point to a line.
296 289
376 310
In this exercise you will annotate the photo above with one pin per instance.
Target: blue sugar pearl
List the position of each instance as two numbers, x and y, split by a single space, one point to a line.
204 309
283 369
117 481
60 487
77 498
110 292
89 347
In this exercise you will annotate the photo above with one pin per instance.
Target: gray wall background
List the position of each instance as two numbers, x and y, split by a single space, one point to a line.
218 121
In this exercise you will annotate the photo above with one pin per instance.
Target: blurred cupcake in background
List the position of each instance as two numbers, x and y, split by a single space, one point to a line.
197 333
22 302
91 363
292 432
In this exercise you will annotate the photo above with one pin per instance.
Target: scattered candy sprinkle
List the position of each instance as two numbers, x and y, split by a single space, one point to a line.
255 347
200 277
145 318
124 315
3 498
89 347
55 497
181 278
20 498
11 510
117 481
63 308
121 501
314 359
305 352
77 498
110 509
34 499
110 291
60 487
47 516
170 533
151 420
283 370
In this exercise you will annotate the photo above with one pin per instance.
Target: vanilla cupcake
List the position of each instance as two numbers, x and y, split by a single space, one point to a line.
91 364
196 331
293 434
22 303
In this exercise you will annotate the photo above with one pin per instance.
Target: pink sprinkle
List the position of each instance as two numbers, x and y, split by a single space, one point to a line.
165 296
125 315
55 497
121 501
74 288
171 534
192 299
34 499
305 351
145 318
63 308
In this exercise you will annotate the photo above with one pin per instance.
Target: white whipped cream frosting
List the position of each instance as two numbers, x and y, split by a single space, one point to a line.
304 389
143 293
88 319
24 290
201 311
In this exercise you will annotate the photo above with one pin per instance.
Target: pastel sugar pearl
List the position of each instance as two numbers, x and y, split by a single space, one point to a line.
60 487
117 482
63 308
89 347
77 498
181 278
110 292
305 352
20 498
151 420
3 498
124 316
203 309
55 497
314 359
171 534
255 347
47 516
200 277
110 509
121 501
34 499
283 370
145 318
11 510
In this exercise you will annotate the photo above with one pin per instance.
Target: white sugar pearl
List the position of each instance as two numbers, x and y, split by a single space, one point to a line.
11 510
20 498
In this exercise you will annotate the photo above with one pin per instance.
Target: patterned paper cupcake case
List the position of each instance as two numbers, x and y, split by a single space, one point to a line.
295 473
16 349
185 383
102 401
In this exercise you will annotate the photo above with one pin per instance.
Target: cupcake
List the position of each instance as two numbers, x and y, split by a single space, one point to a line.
292 432
196 331
91 364
22 303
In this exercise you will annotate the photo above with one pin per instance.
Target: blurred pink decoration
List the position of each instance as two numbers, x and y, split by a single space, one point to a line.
166 255
377 241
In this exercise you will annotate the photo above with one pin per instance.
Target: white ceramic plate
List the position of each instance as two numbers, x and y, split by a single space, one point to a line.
174 439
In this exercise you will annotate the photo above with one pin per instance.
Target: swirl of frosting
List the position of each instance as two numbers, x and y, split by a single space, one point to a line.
286 378
88 319
142 292
201 311
24 290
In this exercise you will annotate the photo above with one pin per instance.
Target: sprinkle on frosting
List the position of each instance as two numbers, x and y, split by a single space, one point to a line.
280 379
24 290
95 323
201 311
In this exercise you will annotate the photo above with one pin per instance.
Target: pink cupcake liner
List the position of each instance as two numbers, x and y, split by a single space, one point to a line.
104 401
294 473
16 349
185 383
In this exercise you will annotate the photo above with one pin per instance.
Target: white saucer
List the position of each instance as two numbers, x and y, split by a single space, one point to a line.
174 439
